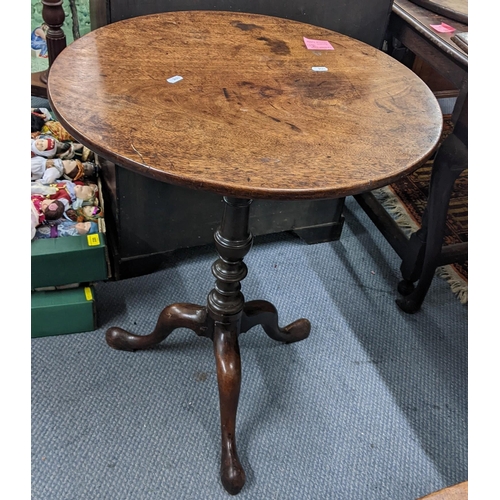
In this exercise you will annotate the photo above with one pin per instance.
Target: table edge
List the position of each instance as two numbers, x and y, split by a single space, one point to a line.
458 55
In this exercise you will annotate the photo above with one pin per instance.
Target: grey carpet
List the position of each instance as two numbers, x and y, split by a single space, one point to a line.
372 406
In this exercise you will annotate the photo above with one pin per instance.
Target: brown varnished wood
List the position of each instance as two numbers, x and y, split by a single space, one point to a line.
450 162
261 312
458 491
174 316
228 364
250 118
53 15
39 84
457 10
414 30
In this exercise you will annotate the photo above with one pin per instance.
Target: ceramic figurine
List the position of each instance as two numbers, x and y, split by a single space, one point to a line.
87 212
66 228
55 129
39 40
38 118
72 194
44 145
48 170
44 209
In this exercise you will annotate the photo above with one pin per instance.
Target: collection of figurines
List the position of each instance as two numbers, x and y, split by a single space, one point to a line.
64 191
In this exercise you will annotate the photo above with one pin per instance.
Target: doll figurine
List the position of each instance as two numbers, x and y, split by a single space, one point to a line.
38 118
87 212
72 194
75 150
75 170
44 145
46 208
39 40
66 228
70 228
35 220
48 146
55 129
38 170
43 113
48 170
42 210
43 123
85 192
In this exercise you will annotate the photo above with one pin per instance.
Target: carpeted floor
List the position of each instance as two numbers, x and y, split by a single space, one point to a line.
372 406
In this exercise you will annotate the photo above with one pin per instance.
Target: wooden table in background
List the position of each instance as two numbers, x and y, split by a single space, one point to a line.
252 117
458 10
410 25
410 29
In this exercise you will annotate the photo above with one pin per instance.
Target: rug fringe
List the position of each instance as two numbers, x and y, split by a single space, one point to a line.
392 204
458 286
395 208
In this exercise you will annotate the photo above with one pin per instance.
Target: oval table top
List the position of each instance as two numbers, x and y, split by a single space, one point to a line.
252 116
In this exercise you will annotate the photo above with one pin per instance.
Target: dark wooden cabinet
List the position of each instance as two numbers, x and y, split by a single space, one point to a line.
365 20
147 219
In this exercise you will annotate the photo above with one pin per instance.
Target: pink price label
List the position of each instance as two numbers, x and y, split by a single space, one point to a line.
318 44
443 28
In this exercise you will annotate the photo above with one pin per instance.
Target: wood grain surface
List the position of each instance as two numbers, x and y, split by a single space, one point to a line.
420 19
458 491
454 9
250 117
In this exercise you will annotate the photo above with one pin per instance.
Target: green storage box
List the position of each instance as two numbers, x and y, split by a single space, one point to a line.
63 261
63 311
70 260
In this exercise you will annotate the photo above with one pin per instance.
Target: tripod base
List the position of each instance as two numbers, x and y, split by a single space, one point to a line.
224 336
225 316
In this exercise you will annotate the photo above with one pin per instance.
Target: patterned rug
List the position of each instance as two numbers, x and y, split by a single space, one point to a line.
406 200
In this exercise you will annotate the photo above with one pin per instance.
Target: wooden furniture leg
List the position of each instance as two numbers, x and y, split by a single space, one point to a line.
424 251
426 243
227 358
53 15
225 316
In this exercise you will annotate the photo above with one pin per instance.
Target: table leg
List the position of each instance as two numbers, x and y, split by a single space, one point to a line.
225 316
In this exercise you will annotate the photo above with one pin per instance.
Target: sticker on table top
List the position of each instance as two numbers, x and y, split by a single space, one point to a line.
174 79
319 68
443 28
93 240
318 44
88 293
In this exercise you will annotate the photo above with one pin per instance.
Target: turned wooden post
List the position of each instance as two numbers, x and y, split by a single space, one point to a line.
53 15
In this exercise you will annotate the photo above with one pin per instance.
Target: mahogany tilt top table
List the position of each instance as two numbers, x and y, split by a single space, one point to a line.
239 105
